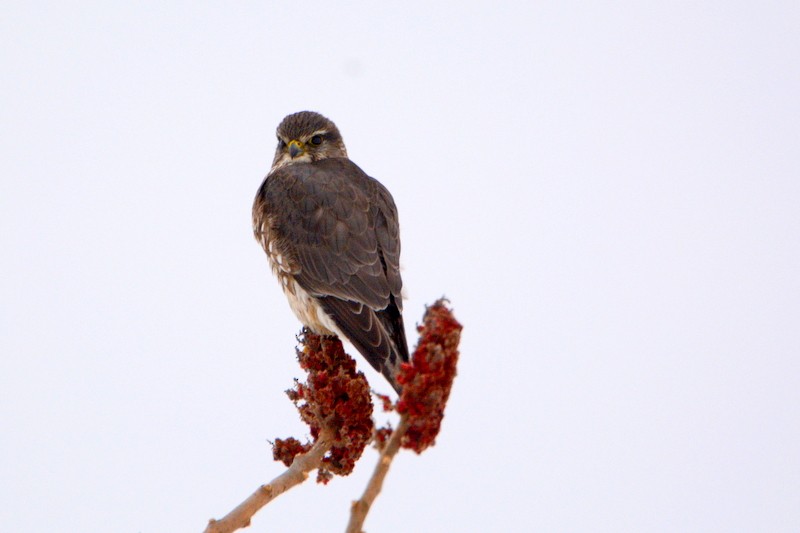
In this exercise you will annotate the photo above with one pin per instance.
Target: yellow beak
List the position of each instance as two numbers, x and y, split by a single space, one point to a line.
296 148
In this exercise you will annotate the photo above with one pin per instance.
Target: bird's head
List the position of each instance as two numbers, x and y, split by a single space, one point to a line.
305 137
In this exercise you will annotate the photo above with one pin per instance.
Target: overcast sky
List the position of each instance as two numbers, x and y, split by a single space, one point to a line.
609 194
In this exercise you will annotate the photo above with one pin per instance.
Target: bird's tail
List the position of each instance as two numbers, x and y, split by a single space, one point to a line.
379 335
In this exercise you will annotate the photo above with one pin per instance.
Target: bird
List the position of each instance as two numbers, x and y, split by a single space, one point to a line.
331 235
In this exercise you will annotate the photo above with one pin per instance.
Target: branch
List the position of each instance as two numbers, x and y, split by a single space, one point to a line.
360 508
294 475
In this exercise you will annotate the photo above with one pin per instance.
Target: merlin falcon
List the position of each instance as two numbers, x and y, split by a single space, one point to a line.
332 237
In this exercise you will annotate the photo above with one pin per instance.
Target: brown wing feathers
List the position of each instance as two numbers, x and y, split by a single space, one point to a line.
340 227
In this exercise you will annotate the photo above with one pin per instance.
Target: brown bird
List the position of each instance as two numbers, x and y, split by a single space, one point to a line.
332 238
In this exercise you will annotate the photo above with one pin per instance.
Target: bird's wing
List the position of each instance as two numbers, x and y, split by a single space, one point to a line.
339 231
336 225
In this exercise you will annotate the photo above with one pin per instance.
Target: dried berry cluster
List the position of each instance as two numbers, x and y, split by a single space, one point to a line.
428 377
284 450
335 397
382 435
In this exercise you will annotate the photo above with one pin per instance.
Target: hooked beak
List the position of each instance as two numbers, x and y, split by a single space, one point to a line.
296 148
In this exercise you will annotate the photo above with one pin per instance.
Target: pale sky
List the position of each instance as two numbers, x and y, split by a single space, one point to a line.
608 193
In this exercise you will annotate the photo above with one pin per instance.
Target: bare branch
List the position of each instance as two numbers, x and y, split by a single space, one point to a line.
294 475
360 508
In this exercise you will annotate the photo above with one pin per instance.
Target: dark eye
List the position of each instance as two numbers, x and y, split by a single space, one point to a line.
316 139
281 143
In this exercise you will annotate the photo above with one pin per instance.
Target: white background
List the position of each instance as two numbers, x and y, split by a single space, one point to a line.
608 193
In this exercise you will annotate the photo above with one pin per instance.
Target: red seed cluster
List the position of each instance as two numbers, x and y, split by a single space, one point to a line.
382 435
335 397
427 379
386 402
284 450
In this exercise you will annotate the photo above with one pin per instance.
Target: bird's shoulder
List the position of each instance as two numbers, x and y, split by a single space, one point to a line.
335 169
336 185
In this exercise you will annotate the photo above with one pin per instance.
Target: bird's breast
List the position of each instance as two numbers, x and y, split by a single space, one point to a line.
304 305
307 308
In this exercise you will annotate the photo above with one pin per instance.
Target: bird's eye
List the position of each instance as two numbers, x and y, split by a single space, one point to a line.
281 143
316 139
